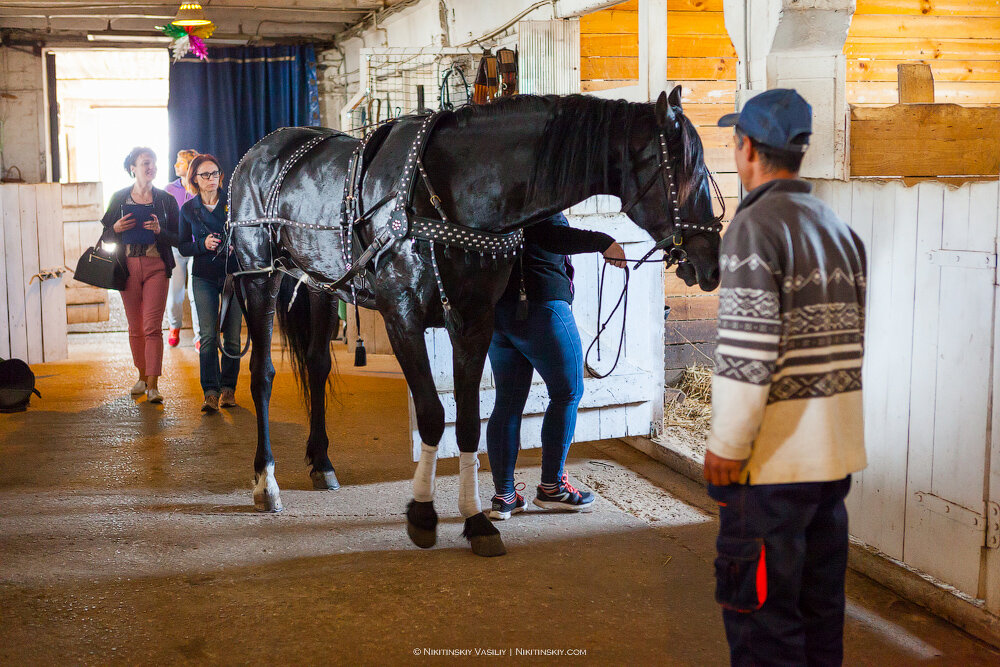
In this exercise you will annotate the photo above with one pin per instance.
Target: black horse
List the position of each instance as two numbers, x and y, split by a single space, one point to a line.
495 168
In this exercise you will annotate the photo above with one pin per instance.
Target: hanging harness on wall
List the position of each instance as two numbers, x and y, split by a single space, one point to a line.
496 78
447 82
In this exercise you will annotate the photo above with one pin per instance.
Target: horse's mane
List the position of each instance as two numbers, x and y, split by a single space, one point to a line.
578 144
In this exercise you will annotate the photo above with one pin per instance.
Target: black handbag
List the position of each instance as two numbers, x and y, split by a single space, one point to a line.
103 267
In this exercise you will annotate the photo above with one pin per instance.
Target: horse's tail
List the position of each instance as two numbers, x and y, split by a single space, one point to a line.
295 319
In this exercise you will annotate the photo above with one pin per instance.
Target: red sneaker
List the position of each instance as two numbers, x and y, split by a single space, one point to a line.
174 338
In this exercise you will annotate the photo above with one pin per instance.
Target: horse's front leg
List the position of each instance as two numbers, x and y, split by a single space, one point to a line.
468 358
318 362
410 349
260 298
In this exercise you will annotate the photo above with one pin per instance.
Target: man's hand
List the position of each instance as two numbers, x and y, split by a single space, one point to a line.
722 472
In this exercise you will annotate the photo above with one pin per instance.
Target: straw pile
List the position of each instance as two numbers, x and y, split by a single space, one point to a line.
693 409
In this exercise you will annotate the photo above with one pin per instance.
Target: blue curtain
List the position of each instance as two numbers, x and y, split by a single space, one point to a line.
226 104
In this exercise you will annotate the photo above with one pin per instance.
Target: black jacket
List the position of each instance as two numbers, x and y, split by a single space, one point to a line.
548 273
197 222
165 208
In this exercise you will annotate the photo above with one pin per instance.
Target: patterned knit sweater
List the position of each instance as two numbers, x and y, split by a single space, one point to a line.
787 387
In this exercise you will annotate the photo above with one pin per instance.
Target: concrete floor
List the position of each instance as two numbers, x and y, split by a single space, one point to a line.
127 536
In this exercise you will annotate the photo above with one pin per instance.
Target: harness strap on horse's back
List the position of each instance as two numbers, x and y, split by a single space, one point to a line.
403 223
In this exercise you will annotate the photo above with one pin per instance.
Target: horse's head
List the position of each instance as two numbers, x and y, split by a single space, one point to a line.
669 192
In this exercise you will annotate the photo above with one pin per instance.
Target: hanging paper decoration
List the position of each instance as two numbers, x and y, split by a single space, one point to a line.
180 47
188 39
198 47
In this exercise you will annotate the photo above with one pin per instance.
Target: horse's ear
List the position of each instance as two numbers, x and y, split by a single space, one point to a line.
675 97
665 116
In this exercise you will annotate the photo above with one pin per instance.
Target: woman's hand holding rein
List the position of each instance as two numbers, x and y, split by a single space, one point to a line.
615 256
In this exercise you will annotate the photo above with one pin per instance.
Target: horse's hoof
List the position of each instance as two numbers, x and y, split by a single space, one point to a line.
422 537
324 480
266 495
483 536
267 503
421 523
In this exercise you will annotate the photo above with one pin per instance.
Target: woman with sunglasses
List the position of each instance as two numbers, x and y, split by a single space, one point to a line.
203 226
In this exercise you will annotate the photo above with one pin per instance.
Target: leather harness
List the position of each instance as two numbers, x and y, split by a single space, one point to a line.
403 223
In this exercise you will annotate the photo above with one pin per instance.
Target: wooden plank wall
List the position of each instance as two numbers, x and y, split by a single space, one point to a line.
609 47
959 39
701 58
33 308
82 210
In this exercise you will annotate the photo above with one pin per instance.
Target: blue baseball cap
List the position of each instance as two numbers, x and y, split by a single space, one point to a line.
779 118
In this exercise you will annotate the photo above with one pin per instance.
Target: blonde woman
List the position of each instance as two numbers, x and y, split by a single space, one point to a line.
181 191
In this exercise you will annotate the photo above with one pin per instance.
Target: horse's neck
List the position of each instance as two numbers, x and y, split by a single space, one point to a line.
515 167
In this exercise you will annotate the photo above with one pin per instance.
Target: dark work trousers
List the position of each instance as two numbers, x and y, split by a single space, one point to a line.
780 566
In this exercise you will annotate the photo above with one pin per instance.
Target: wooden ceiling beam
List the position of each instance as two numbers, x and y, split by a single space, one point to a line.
111 5
217 15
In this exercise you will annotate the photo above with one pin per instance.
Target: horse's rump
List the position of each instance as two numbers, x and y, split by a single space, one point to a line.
261 167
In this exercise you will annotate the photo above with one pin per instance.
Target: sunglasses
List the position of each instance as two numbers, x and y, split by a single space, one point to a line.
209 175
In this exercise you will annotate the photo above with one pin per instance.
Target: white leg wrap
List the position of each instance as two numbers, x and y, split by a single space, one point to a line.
468 484
423 479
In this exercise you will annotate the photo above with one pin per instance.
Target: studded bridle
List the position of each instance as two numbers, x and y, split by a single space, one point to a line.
664 173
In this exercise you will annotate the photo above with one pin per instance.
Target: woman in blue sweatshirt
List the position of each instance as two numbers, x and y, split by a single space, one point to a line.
535 330
203 226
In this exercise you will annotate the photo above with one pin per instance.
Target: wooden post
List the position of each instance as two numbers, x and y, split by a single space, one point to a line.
4 318
916 83
50 257
13 263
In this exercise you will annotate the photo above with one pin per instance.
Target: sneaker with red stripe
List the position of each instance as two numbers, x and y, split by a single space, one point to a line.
565 497
503 507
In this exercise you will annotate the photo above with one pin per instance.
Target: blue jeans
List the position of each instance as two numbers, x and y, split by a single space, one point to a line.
548 341
782 556
207 296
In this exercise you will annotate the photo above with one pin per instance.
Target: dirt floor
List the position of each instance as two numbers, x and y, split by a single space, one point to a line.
128 536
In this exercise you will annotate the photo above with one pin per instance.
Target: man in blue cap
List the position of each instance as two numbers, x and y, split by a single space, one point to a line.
786 398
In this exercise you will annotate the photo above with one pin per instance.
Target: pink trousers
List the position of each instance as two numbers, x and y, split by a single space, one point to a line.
145 297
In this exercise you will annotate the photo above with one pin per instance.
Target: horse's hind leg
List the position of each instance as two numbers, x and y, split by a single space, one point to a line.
260 298
318 361
469 357
411 352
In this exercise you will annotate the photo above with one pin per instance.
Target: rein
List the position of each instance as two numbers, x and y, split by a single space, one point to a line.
622 302
664 173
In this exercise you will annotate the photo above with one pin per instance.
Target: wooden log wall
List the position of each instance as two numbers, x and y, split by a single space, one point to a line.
959 39
701 58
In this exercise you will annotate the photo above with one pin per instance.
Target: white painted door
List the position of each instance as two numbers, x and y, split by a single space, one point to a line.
928 375
628 402
950 392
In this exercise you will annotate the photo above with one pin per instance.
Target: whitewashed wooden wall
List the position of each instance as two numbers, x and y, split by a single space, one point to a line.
32 309
928 375
627 402
82 210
